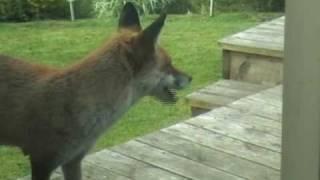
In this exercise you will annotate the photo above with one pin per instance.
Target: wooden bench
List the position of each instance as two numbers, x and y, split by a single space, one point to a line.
220 94
255 55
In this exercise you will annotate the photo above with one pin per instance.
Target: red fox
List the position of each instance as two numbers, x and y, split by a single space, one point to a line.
56 115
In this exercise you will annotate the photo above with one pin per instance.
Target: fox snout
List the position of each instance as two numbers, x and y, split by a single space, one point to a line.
181 81
166 89
177 81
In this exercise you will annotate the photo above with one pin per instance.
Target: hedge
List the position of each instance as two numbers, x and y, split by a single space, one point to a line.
25 10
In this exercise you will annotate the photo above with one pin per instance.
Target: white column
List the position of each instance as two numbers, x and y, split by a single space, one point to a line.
211 7
71 9
301 109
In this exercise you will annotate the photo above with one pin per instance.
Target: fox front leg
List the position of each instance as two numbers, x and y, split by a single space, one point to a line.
41 170
72 169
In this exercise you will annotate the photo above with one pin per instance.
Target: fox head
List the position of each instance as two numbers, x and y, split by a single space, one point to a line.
153 70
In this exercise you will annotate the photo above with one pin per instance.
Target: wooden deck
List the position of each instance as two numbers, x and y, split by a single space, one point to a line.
255 55
264 39
240 141
220 94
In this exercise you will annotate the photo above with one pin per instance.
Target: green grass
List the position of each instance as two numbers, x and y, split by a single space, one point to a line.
191 41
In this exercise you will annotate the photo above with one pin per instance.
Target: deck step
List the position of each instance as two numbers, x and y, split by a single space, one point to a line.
220 94
256 54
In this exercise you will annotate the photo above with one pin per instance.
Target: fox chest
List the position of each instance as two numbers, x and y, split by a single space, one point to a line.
93 124
79 133
82 138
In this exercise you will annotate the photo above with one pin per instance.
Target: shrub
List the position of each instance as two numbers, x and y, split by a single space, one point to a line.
83 8
24 10
255 5
18 10
113 7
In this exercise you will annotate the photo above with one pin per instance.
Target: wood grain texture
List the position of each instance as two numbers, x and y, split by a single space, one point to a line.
210 157
257 69
172 162
255 55
226 144
220 94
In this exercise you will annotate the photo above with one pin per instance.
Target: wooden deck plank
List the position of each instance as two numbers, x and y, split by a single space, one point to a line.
226 144
271 27
210 157
230 126
244 40
247 119
278 90
225 91
129 167
279 20
221 93
276 22
253 47
54 176
244 86
264 36
90 172
171 162
264 39
267 99
253 43
256 68
264 31
261 38
251 106
267 103
208 101
272 96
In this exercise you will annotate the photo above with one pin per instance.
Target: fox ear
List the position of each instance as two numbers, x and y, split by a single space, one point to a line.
129 18
150 35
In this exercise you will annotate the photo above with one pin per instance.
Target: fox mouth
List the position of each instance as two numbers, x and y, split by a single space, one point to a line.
166 89
171 94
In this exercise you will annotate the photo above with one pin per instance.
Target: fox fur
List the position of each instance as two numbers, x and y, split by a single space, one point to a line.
55 115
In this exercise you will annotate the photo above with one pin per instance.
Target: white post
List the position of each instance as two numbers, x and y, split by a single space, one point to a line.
211 7
301 109
152 5
71 9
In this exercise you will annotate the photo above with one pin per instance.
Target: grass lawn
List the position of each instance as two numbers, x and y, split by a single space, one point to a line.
191 41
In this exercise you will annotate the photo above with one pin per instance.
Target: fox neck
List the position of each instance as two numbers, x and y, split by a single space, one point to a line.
105 90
